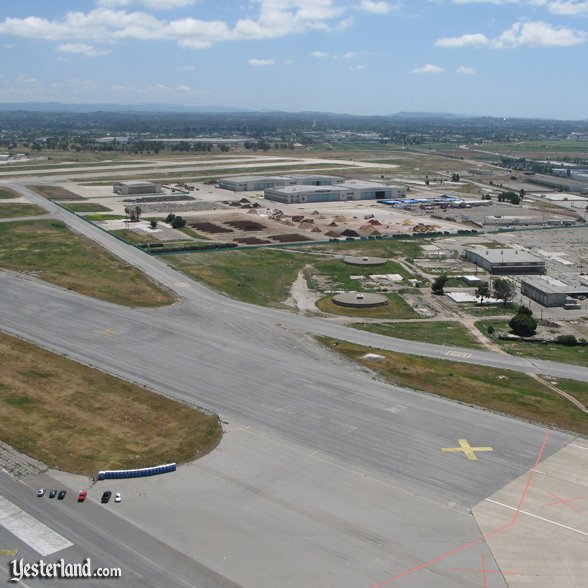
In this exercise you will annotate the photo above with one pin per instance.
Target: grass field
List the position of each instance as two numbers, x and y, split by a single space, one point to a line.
438 332
7 193
338 274
192 233
504 391
51 252
103 217
86 207
579 390
54 192
396 308
260 276
577 355
491 310
20 209
80 420
134 238
388 248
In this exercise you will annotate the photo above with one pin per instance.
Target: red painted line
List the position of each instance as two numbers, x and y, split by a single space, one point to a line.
483 537
565 501
485 575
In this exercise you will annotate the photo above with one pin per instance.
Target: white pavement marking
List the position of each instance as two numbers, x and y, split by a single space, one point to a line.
538 517
458 354
579 446
30 530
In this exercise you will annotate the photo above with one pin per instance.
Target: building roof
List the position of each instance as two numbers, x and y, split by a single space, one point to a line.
505 255
544 286
363 185
302 189
135 183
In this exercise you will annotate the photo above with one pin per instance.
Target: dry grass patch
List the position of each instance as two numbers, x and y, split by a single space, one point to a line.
20 209
397 308
7 194
50 251
80 420
504 391
54 192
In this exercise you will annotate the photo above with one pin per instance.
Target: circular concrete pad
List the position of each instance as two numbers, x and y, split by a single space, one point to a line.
360 299
365 261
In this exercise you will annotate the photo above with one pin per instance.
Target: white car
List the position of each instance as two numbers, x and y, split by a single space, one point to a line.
117 497
41 492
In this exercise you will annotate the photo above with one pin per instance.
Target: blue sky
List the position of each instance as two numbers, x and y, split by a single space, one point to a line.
513 58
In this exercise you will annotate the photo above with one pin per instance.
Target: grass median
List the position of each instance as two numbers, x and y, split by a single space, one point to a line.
48 250
437 332
19 209
504 391
7 194
81 420
54 192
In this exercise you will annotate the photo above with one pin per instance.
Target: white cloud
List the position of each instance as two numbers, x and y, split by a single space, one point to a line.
428 69
187 68
262 62
521 34
81 48
471 40
376 6
466 71
152 4
275 18
183 89
357 67
318 54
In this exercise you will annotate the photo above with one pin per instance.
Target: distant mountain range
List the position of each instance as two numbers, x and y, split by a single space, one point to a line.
108 107
163 108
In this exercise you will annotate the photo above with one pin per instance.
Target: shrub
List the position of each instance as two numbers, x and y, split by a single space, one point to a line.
567 340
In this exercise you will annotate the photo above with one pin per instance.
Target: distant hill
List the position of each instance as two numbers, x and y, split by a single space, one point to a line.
108 107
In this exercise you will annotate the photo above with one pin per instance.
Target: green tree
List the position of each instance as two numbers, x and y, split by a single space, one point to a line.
483 291
178 222
153 223
439 284
523 325
504 290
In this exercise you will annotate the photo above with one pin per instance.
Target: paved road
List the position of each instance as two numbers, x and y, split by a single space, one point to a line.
94 531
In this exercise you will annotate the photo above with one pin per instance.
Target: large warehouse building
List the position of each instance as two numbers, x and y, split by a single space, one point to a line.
342 191
259 183
505 261
136 187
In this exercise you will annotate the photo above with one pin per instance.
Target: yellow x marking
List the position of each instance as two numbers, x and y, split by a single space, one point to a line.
469 451
9 552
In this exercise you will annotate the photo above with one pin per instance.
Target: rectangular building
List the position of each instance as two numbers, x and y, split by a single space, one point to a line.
543 292
342 191
136 187
505 261
259 183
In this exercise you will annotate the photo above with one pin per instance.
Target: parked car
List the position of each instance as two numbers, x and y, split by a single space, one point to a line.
61 495
117 497
52 493
106 496
82 496
41 492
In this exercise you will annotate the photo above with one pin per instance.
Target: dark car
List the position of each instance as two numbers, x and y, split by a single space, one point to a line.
61 495
106 496
52 493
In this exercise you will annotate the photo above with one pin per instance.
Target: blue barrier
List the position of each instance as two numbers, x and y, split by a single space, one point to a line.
140 473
